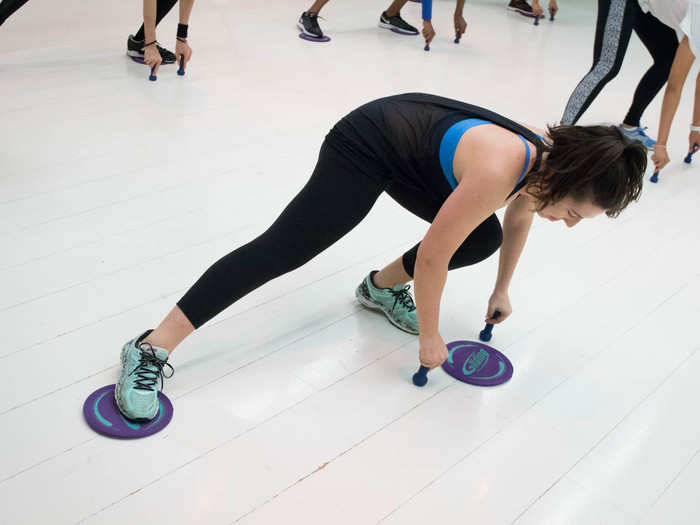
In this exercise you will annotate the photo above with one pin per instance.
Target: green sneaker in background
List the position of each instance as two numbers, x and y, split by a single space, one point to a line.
136 391
396 303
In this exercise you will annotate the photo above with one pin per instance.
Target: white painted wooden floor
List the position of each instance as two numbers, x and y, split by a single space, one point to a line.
295 405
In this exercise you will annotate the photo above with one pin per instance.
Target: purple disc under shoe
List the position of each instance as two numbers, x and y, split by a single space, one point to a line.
103 416
138 60
401 32
477 364
324 38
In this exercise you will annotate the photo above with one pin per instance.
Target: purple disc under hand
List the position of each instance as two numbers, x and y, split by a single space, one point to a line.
138 60
477 364
324 38
103 416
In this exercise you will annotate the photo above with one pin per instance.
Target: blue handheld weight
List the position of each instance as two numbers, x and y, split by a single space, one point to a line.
485 334
152 76
181 71
689 157
420 378
551 15
537 20
655 177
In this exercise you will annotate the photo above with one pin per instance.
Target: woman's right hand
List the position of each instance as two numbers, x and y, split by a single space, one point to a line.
183 48
553 7
660 157
537 9
152 57
693 138
498 302
433 351
428 32
460 25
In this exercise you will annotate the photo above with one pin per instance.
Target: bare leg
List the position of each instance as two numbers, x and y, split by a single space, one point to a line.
394 8
171 331
392 275
318 5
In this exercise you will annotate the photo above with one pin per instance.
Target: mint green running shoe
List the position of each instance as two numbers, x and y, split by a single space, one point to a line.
396 303
142 368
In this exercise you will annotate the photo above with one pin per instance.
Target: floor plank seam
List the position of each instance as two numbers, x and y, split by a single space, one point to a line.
516 418
337 456
245 432
609 432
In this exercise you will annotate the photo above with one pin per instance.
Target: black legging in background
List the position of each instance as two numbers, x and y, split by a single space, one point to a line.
334 200
163 7
616 21
8 7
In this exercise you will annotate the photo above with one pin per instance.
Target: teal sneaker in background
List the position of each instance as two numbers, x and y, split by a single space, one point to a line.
396 303
639 135
136 391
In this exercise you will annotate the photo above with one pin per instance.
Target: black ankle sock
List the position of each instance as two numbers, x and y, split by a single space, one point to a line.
371 278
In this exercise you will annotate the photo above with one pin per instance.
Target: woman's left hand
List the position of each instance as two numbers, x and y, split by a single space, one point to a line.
460 25
537 10
693 138
183 48
428 31
660 157
553 7
498 301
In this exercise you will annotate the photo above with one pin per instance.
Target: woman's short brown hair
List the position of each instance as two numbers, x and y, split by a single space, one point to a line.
597 163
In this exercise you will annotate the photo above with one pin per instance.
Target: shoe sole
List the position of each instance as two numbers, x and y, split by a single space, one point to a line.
138 57
649 148
396 29
300 27
521 12
373 306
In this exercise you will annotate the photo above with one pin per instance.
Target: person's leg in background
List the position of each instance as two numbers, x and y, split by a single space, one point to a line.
391 19
9 7
308 21
662 42
616 19
134 44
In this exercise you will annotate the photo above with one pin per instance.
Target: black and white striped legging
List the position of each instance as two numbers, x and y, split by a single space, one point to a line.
616 20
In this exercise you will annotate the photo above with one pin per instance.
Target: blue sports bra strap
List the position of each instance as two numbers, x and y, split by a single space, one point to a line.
527 161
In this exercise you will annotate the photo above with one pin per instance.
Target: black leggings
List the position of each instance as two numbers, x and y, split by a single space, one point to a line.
7 7
163 7
616 20
332 203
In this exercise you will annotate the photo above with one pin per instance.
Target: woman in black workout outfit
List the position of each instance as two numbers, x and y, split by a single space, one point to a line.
450 163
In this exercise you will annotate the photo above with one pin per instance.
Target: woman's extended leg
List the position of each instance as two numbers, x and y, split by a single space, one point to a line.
333 202
335 199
